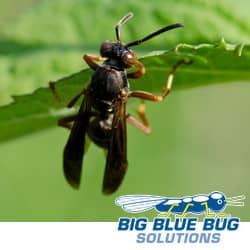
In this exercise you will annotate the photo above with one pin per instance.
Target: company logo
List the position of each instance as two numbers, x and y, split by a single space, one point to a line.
171 224
212 204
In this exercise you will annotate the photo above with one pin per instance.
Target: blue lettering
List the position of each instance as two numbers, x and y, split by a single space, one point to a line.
191 225
215 238
208 224
193 238
220 225
141 238
151 238
126 223
233 224
179 236
158 223
123 224
180 224
205 238
159 238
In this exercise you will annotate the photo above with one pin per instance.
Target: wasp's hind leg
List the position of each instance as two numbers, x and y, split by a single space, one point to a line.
144 124
156 98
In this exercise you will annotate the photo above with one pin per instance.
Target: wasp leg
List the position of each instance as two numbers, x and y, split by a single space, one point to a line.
141 71
184 211
144 124
65 122
89 59
59 99
75 98
207 213
55 93
151 97
166 214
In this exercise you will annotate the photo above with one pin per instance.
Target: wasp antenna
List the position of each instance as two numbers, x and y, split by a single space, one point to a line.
156 33
121 22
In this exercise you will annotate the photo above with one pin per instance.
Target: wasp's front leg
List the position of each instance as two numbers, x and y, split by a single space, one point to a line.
141 70
90 60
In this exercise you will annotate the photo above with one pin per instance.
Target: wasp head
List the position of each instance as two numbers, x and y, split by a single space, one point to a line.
119 52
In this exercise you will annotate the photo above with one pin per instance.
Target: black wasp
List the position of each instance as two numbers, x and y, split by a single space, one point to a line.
102 114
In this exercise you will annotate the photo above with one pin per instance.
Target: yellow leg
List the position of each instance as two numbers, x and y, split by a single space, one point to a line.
166 214
221 215
184 211
207 214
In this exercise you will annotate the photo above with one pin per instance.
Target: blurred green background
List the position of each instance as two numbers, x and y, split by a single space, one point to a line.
200 139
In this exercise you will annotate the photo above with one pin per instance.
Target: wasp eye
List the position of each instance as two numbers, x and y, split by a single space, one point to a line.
129 58
106 48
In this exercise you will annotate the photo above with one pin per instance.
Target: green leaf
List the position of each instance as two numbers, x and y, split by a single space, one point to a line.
211 64
30 56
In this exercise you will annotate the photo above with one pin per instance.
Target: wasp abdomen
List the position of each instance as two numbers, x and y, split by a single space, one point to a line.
99 130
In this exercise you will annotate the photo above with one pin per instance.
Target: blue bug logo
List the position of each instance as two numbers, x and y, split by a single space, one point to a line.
211 205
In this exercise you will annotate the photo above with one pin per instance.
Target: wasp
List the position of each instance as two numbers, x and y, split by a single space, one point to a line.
102 114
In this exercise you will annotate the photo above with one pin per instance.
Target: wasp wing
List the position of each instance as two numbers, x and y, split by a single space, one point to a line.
116 163
74 149
138 203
